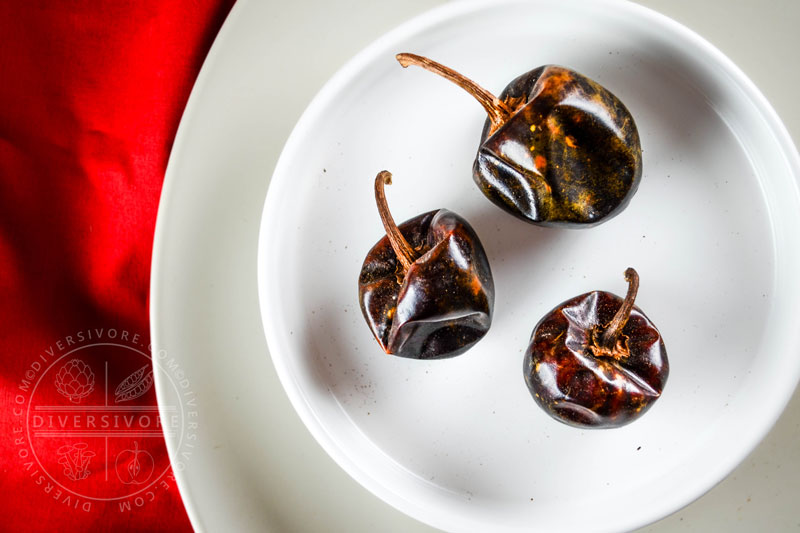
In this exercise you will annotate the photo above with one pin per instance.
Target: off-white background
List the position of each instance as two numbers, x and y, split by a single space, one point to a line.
310 40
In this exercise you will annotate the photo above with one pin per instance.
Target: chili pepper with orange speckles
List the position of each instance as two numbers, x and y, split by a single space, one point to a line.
596 360
426 289
557 149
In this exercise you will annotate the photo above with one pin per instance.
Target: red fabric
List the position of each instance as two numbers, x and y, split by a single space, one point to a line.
91 94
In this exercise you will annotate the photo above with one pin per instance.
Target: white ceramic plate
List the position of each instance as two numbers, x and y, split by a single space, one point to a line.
253 465
459 444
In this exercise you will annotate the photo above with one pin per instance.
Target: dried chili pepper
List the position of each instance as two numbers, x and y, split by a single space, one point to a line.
557 149
426 289
596 360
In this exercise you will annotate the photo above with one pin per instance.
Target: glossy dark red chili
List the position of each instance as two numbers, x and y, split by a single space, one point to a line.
557 149
596 360
426 289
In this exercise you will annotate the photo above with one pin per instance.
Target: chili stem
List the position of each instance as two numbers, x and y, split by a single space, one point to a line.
498 112
405 253
614 328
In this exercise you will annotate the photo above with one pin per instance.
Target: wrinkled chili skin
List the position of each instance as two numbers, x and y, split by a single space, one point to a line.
443 305
582 390
570 156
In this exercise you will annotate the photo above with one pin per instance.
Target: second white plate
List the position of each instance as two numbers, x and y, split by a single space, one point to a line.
459 444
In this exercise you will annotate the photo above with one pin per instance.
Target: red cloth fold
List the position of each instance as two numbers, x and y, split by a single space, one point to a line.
90 99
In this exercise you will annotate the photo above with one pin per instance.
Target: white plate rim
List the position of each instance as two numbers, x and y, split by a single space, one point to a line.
157 261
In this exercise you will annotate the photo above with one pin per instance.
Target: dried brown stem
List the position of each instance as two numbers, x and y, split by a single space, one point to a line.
612 332
405 253
498 111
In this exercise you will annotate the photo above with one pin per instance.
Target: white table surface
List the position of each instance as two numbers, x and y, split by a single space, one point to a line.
762 494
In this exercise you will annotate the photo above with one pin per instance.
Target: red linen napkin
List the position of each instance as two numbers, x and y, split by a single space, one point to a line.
91 94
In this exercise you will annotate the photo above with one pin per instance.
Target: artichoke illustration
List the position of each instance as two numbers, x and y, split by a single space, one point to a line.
75 380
